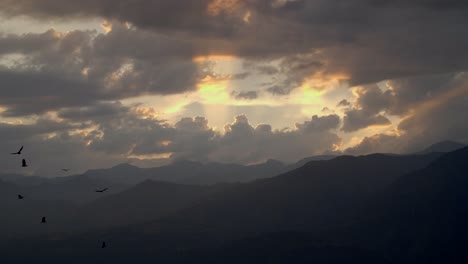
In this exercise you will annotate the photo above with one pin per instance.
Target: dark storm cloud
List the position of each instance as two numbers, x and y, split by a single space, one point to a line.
356 119
344 103
42 126
80 68
78 73
28 93
369 40
370 102
10 43
96 112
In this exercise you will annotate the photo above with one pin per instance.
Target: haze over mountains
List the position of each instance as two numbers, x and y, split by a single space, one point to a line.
376 208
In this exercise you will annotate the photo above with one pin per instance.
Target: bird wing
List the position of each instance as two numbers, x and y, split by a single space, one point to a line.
21 149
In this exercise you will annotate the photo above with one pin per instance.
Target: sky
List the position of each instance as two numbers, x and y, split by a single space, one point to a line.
94 83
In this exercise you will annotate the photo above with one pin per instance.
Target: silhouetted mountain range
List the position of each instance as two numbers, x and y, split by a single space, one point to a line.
443 146
189 172
144 202
422 216
316 197
368 209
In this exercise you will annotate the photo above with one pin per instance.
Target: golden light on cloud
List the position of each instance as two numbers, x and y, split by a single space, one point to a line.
247 17
106 26
213 91
147 112
200 59
230 7
151 156
85 72
313 89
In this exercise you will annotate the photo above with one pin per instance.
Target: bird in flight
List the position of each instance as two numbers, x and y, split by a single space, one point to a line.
66 169
43 221
103 244
19 151
101 191
24 164
20 197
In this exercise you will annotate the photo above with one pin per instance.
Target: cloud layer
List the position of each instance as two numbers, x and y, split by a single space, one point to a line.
65 92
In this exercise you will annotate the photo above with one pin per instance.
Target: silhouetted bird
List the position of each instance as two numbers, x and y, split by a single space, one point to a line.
19 151
103 244
101 191
20 197
24 164
43 221
66 169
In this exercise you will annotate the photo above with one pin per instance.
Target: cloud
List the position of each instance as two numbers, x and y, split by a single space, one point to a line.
247 95
246 144
345 37
400 98
370 103
379 143
105 134
80 68
151 50
355 120
433 107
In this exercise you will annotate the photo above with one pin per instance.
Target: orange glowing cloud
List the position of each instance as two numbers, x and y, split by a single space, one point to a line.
230 7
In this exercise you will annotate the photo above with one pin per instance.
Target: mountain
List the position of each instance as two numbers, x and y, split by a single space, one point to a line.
8 192
77 189
367 209
421 218
316 197
284 247
443 146
213 225
278 247
144 202
189 172
23 180
304 161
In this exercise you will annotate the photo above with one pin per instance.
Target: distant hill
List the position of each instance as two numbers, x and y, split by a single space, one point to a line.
284 247
368 209
318 196
144 202
23 180
78 189
278 247
422 216
443 146
304 161
189 172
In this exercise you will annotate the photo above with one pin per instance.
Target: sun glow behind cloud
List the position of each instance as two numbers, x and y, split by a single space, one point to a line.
215 97
215 94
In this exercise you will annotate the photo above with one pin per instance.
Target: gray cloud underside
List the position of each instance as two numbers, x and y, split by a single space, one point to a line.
109 133
81 68
369 40
436 107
